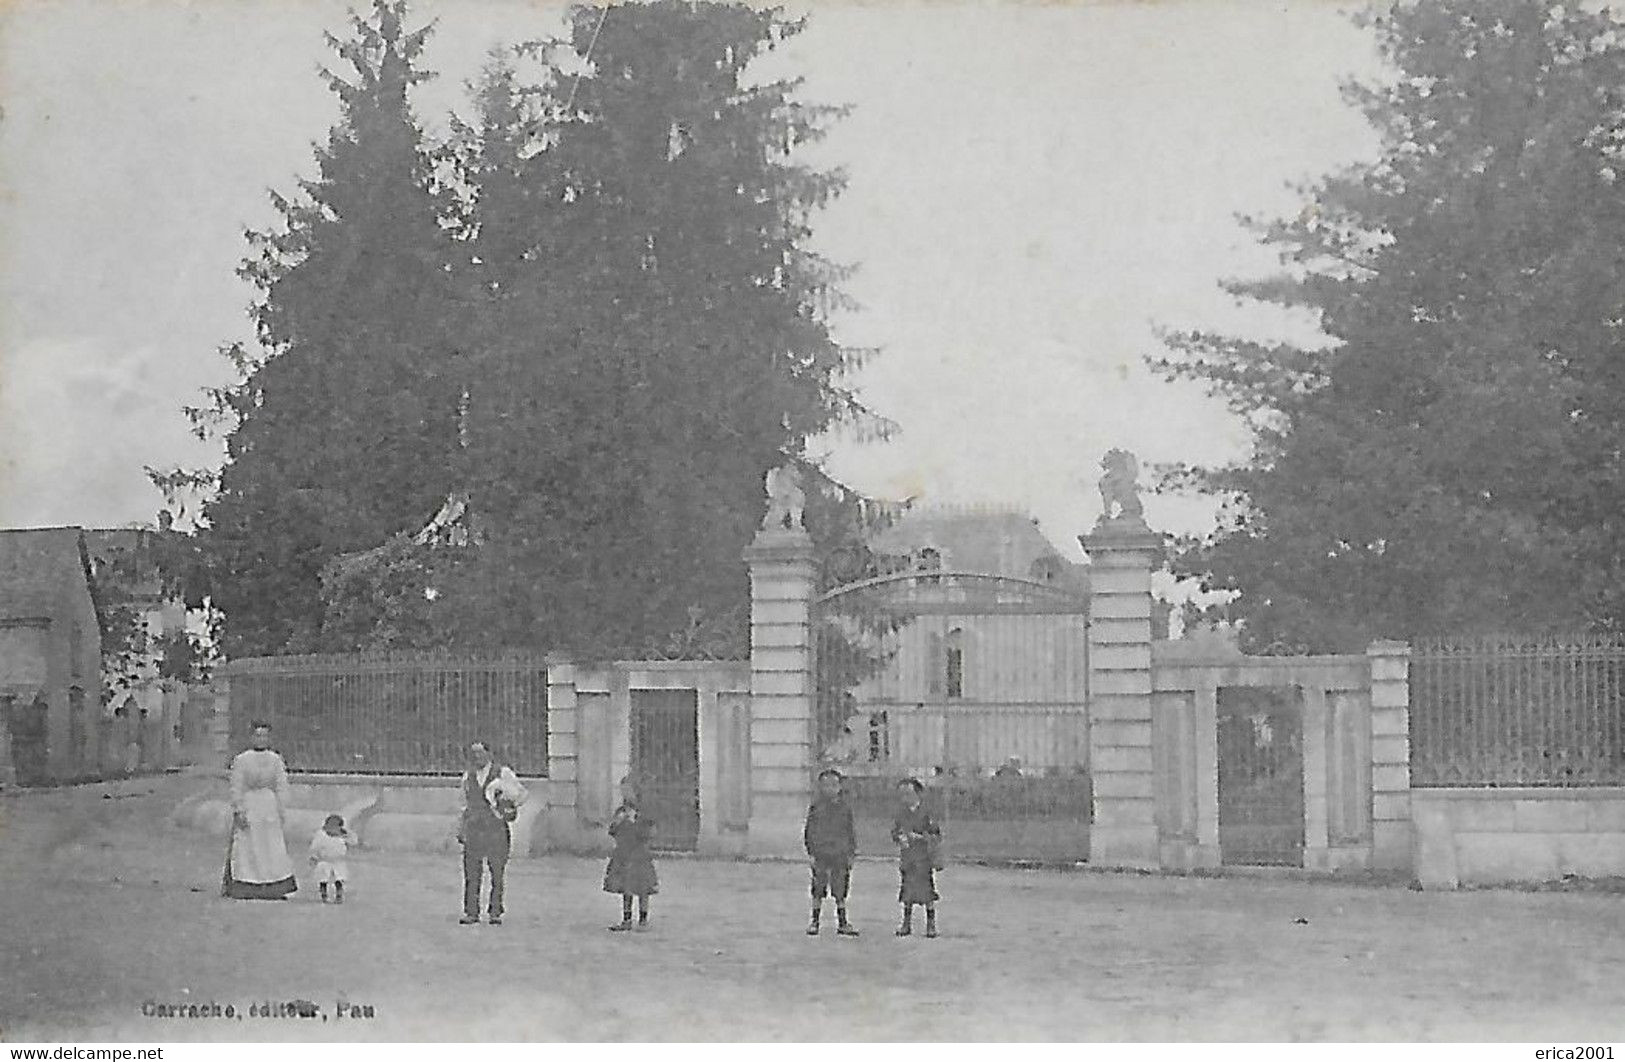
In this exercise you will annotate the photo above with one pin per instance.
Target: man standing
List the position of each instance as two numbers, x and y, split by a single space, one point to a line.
491 799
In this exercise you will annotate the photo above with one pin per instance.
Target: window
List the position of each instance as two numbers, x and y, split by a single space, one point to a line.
879 738
954 663
933 667
928 560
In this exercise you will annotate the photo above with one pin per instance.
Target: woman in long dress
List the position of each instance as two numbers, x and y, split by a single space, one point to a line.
257 863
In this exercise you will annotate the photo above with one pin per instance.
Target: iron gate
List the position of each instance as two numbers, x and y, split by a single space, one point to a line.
665 753
1260 776
974 684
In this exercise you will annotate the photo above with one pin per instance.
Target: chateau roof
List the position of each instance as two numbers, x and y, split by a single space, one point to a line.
989 540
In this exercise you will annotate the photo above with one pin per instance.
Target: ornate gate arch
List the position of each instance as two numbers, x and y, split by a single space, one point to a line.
977 685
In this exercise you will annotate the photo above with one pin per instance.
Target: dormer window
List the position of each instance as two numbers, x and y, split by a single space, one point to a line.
1045 570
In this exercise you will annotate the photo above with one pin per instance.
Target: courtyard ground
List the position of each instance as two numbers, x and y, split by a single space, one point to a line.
105 906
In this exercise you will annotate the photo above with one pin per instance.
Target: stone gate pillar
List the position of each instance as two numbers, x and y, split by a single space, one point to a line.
563 822
1390 755
781 757
1123 552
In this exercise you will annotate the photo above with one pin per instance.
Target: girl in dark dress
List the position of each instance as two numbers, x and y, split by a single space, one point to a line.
918 839
631 869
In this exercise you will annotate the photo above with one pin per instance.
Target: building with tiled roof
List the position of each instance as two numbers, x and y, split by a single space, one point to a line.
50 657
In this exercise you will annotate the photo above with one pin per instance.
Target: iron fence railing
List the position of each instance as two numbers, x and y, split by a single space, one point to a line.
976 685
1036 815
1005 781
1512 711
399 713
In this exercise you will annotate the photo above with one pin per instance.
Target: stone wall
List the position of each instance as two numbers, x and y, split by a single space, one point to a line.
589 747
1153 742
1500 836
405 813
589 716
1337 750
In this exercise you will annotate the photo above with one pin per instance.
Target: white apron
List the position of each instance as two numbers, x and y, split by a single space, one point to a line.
259 866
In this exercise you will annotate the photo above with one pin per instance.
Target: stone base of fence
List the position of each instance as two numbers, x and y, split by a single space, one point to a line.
1507 836
419 814
1337 858
1188 855
563 831
776 827
392 814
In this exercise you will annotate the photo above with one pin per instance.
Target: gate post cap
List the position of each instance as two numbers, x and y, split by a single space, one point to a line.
1122 536
780 545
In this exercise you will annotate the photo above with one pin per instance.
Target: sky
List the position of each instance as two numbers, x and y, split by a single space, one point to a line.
1034 189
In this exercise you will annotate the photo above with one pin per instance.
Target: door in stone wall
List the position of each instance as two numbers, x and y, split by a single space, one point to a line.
666 762
1261 820
28 724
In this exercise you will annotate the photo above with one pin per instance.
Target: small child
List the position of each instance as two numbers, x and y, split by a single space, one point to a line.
918 846
328 849
831 838
631 869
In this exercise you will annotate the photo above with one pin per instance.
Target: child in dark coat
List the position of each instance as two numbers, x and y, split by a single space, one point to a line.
832 841
631 869
918 839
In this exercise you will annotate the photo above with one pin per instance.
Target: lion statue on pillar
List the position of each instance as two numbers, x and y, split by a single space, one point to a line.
1120 487
785 500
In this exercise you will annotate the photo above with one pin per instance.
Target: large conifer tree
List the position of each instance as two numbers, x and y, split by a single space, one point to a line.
654 329
616 252
1451 460
344 431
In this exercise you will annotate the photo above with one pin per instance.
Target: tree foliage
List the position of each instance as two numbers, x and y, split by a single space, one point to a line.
133 655
652 334
1450 459
127 645
592 312
344 430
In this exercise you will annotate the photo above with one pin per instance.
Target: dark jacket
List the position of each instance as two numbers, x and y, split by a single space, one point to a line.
480 817
631 869
632 835
830 834
916 832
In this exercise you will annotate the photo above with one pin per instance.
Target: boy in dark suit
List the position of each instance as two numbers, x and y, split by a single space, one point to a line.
832 841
